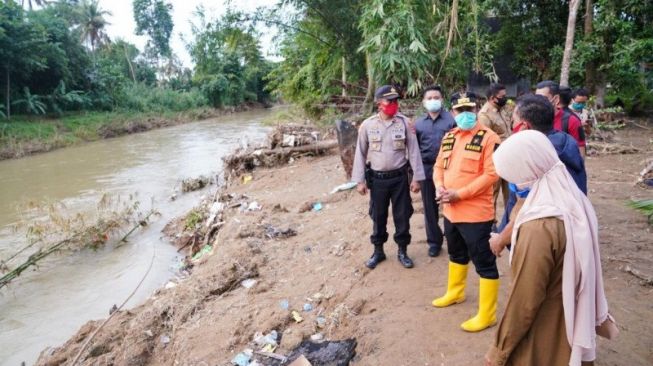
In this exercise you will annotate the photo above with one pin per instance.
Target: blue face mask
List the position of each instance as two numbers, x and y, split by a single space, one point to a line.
433 105
578 106
521 193
466 120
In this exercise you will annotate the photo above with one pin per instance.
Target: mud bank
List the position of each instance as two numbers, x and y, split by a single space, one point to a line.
208 317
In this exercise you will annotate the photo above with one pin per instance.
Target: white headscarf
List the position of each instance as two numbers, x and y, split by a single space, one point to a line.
528 159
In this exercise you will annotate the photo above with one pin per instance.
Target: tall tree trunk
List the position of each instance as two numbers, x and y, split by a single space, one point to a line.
7 92
369 96
569 42
131 67
344 76
590 69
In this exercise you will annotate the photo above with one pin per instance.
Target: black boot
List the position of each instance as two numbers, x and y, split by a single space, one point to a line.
376 258
434 251
403 257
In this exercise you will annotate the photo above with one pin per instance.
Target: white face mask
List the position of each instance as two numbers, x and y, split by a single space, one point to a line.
433 105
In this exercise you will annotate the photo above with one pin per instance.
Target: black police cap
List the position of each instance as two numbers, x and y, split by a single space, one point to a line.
388 92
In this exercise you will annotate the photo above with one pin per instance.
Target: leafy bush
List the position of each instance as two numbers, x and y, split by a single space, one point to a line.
142 98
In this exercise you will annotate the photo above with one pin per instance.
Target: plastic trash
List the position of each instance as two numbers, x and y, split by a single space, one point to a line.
248 283
298 318
301 361
326 352
344 187
317 337
285 305
320 321
165 340
308 307
317 206
247 178
254 206
243 358
201 253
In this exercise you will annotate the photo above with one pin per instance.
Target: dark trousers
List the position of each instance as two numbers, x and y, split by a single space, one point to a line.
382 192
431 215
467 241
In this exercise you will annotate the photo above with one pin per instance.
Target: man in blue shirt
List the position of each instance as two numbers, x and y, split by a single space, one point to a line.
536 112
430 129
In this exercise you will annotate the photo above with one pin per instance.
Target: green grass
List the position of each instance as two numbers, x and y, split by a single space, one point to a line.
23 135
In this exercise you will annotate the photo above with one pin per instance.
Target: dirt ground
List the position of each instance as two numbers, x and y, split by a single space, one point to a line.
209 317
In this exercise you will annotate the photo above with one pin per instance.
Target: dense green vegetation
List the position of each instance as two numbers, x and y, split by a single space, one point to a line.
56 59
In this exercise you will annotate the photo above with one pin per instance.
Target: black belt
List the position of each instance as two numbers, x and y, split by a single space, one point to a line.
390 173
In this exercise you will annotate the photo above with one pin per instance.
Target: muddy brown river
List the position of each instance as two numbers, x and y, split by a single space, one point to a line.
44 307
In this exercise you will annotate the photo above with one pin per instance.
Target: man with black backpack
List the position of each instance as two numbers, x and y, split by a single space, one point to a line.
565 119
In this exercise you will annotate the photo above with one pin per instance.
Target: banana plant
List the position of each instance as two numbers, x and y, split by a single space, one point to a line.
31 103
61 98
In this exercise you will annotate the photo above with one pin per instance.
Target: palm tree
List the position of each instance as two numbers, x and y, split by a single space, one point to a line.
93 23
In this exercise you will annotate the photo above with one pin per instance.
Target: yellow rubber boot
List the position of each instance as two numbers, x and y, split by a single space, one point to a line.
455 286
487 307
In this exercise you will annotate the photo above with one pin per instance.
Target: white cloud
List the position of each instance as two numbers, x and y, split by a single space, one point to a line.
124 26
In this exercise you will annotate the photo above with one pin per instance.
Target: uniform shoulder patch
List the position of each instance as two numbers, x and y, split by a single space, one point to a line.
476 144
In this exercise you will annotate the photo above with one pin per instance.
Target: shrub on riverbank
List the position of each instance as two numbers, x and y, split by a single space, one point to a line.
25 135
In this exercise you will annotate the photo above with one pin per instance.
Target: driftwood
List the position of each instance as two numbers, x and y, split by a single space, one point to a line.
244 161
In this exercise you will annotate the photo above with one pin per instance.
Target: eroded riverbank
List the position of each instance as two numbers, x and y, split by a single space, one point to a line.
45 307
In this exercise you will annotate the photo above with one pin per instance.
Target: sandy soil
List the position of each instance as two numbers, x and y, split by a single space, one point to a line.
209 317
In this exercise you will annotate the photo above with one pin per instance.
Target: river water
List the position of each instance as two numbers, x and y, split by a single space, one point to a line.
44 307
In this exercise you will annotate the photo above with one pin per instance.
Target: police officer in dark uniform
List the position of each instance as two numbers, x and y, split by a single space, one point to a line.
386 141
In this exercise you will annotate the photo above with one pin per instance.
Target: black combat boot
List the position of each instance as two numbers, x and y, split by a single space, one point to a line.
403 257
377 257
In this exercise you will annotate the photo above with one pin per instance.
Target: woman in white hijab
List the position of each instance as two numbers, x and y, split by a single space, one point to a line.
557 303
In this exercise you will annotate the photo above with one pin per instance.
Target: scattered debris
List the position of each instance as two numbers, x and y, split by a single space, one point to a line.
301 361
247 178
645 280
612 148
292 135
248 283
241 162
308 307
165 340
206 250
646 175
243 358
320 321
170 285
194 184
317 337
329 353
344 187
317 206
285 305
252 206
272 232
296 317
